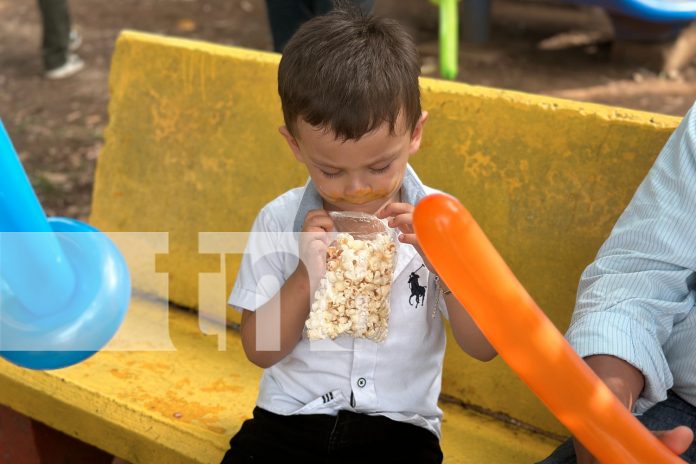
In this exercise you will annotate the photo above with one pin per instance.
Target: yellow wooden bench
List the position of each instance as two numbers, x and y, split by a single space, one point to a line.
192 147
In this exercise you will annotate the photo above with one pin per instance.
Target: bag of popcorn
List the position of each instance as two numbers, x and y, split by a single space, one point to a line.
353 295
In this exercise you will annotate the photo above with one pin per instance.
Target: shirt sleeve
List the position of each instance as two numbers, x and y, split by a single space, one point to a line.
642 281
263 268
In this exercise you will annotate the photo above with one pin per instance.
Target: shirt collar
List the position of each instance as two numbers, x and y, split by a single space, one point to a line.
411 192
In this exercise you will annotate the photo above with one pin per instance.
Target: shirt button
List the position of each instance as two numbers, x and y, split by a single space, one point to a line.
362 382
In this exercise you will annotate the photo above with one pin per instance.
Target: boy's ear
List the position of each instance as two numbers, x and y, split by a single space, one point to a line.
417 134
292 143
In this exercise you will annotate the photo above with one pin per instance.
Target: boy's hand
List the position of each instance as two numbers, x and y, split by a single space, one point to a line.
314 241
401 217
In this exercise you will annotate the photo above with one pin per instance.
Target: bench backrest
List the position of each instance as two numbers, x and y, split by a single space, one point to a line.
192 146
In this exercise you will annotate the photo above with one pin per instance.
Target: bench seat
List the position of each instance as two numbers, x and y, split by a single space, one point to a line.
183 406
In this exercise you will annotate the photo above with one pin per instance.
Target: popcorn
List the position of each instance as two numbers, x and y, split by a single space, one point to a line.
353 296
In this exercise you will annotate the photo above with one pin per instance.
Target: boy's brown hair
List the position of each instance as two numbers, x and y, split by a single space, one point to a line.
350 73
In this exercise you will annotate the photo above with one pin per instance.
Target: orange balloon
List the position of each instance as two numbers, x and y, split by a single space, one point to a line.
526 339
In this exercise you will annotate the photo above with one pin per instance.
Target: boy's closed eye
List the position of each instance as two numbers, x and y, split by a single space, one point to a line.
331 175
380 170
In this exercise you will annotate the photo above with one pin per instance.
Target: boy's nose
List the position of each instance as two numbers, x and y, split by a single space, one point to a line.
357 187
358 192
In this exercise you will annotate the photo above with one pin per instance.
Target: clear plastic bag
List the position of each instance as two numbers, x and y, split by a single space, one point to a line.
353 295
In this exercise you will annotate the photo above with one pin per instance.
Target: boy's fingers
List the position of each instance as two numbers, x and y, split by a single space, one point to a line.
318 220
317 246
384 212
324 223
313 214
313 256
395 208
403 221
411 240
408 238
314 261
316 234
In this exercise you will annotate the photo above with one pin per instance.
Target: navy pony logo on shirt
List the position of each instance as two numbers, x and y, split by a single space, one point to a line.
417 290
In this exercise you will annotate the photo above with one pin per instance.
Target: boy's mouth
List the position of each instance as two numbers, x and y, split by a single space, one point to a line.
370 205
366 200
361 198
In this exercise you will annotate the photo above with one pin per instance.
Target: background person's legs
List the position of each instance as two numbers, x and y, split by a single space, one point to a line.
286 16
56 32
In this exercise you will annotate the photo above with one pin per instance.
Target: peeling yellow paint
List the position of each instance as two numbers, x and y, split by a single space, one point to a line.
156 367
221 386
173 404
122 374
479 165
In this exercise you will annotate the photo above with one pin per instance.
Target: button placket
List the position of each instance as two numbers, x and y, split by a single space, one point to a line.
362 374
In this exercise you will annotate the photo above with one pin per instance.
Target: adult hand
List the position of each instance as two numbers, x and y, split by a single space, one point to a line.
677 440
627 382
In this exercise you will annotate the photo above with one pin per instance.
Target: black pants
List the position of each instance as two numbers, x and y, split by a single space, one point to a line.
319 438
286 16
56 32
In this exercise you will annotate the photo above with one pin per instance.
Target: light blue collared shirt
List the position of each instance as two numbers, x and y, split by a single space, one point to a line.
636 300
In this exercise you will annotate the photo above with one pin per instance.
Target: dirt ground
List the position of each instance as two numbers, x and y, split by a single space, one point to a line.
57 126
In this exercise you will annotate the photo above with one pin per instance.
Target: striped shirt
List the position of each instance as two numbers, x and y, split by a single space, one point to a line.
636 300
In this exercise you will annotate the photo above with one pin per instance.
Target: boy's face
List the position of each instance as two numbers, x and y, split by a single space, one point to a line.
356 175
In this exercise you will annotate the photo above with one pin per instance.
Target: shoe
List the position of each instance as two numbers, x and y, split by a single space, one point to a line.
72 66
74 41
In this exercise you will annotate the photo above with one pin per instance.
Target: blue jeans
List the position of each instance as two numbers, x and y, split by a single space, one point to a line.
666 415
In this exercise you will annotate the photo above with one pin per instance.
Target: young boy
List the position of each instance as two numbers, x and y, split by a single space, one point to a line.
351 102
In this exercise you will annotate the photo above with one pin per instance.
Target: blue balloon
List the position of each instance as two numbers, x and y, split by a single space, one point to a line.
658 11
64 286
